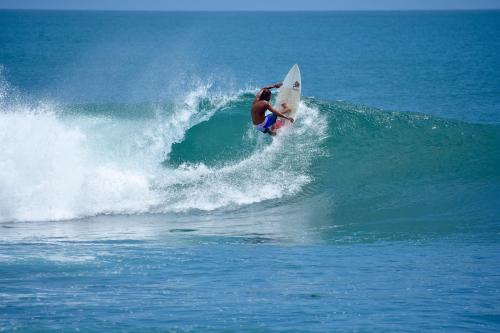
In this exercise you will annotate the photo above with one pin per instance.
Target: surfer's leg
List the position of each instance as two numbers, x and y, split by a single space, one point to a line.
272 119
270 125
267 127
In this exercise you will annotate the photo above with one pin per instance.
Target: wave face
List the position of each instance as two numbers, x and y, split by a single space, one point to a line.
201 153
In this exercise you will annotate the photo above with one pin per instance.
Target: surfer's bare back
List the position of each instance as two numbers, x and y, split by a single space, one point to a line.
261 104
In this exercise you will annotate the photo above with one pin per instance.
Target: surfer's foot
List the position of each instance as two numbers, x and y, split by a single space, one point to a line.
271 132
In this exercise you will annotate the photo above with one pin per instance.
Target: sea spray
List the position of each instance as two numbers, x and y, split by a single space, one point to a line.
62 163
47 173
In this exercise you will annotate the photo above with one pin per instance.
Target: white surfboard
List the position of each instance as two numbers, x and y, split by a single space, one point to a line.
289 93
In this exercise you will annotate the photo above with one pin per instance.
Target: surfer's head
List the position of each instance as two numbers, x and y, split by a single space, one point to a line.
265 95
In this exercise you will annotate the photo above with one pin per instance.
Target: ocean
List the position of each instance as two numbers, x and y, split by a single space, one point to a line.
136 196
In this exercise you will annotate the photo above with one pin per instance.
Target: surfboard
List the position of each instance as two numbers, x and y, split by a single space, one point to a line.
289 93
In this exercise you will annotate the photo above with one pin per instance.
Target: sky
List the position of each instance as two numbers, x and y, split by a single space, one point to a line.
250 4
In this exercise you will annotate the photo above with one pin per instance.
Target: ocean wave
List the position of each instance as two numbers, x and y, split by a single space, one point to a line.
201 153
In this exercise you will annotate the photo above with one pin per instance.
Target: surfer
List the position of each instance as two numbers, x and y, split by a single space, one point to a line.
261 104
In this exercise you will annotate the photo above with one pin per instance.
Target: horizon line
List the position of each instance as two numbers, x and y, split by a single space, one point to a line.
251 10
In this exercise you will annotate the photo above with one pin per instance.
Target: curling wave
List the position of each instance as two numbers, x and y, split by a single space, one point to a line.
201 153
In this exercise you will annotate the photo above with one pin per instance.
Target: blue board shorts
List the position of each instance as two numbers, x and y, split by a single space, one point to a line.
267 123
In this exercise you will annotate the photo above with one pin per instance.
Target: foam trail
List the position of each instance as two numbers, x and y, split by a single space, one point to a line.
272 171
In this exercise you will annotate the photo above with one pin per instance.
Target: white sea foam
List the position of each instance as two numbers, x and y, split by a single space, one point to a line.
54 167
47 172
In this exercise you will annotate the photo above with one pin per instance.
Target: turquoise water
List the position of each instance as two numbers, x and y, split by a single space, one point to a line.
135 195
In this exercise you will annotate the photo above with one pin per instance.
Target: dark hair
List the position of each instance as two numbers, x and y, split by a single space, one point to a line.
265 95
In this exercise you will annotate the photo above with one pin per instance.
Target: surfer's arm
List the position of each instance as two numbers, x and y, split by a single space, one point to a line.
276 112
276 85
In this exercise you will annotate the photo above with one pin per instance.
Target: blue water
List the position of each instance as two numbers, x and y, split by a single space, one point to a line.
135 195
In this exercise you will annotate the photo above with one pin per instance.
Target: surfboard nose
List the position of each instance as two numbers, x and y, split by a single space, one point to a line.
294 75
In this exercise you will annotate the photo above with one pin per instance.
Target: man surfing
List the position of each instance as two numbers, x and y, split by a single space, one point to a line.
261 104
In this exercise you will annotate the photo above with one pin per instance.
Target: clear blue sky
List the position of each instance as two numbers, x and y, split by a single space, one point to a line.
250 4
